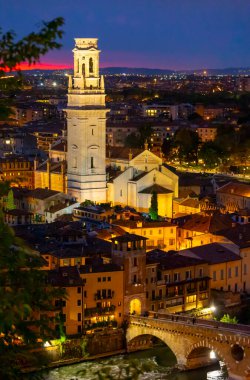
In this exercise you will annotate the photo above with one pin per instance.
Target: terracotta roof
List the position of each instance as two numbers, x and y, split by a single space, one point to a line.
171 260
206 223
144 224
60 146
194 203
139 176
240 235
213 253
157 189
128 237
236 188
40 193
122 153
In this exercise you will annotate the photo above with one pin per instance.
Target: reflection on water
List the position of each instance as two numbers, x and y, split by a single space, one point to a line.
157 364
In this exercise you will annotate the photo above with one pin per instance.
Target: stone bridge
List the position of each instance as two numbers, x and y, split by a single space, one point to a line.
192 340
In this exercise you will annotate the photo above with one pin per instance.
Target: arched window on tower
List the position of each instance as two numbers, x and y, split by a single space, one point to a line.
91 66
83 69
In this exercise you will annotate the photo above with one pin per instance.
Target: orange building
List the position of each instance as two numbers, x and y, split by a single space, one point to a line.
19 171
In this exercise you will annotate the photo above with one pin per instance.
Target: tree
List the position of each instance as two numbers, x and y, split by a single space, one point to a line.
153 210
10 201
186 141
210 154
26 297
166 147
29 49
227 319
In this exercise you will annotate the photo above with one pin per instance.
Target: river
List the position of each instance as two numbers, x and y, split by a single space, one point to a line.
156 364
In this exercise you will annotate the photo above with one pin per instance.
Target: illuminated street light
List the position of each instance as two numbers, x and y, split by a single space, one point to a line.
212 355
212 308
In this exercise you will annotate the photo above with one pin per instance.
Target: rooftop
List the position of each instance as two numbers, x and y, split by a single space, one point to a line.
236 188
213 253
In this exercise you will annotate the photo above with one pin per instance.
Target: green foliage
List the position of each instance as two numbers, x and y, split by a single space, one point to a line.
227 319
87 203
137 140
10 201
26 311
186 142
29 49
153 210
210 154
32 47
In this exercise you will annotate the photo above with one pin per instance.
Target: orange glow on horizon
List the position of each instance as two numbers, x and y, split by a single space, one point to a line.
41 66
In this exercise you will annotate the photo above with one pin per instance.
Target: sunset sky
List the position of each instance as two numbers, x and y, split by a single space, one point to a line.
171 34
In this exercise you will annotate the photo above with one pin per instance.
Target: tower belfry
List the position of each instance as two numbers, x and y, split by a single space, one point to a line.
86 124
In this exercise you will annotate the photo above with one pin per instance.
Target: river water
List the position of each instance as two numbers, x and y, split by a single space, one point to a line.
156 364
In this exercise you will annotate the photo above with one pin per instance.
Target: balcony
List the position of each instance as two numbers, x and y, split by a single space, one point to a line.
191 290
96 311
99 296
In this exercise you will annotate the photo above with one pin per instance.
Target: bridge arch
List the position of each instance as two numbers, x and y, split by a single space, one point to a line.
198 354
168 339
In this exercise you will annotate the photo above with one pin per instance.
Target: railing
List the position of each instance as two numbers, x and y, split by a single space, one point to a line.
99 311
181 319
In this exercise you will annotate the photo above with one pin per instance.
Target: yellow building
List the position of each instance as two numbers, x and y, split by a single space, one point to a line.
94 296
225 266
159 234
51 175
199 229
176 283
18 171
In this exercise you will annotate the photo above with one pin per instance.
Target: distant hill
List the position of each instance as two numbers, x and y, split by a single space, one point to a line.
146 71
135 70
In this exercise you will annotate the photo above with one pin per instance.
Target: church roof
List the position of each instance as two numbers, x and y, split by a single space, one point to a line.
155 189
122 152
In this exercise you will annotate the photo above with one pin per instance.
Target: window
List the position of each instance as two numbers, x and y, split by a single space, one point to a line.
79 328
214 275
135 278
245 269
135 262
79 302
79 317
176 277
171 241
236 271
229 272
120 193
104 279
92 162
109 279
85 293
79 290
222 274
167 277
188 274
99 279
201 272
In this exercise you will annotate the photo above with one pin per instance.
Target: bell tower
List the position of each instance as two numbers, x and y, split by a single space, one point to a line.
86 125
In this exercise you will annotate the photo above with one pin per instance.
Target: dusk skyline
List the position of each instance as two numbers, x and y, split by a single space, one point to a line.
141 33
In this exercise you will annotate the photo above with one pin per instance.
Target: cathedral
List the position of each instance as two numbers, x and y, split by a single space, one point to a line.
121 177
